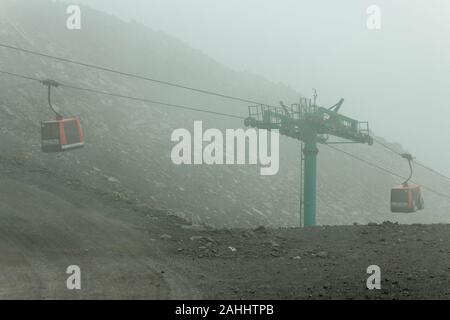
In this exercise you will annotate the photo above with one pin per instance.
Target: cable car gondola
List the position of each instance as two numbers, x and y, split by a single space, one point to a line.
62 134
407 197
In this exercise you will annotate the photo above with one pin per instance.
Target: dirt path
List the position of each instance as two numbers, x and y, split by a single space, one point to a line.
42 234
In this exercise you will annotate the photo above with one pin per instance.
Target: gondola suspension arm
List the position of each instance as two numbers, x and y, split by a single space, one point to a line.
410 158
52 83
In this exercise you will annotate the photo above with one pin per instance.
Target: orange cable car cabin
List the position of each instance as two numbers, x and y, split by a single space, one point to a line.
61 135
406 198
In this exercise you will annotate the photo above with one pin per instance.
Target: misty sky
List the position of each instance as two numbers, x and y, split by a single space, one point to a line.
397 77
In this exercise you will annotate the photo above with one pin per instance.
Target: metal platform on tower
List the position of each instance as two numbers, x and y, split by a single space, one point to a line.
307 122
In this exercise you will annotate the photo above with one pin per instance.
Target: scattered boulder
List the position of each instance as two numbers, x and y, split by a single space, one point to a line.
113 180
165 237
261 229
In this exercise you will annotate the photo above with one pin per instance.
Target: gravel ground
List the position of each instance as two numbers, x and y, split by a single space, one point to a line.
129 251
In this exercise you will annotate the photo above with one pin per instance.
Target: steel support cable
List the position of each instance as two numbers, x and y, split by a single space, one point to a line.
387 170
128 97
210 112
415 162
130 75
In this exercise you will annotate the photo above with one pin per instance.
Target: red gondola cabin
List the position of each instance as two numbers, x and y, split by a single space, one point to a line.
61 135
406 198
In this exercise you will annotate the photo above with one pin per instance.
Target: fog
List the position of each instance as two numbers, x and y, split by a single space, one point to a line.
141 190
396 77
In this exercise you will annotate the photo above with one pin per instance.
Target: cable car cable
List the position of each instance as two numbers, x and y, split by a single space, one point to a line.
203 91
172 84
130 75
386 170
152 101
16 85
387 147
62 85
432 170
415 161
210 112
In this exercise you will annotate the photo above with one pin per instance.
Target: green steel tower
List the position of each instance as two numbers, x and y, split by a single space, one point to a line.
311 124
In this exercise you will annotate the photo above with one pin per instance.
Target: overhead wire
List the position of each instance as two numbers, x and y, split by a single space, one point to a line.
74 87
176 85
128 74
117 95
384 145
385 170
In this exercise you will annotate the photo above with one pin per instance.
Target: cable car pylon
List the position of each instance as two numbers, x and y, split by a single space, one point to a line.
311 124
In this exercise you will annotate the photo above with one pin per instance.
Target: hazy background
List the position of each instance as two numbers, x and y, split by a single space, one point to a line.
127 151
396 77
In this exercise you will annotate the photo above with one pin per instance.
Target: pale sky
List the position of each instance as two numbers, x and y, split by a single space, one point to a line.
397 78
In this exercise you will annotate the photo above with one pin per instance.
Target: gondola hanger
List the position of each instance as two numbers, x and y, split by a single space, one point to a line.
410 158
61 134
407 197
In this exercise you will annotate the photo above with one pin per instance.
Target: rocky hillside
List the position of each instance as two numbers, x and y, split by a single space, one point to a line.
128 143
